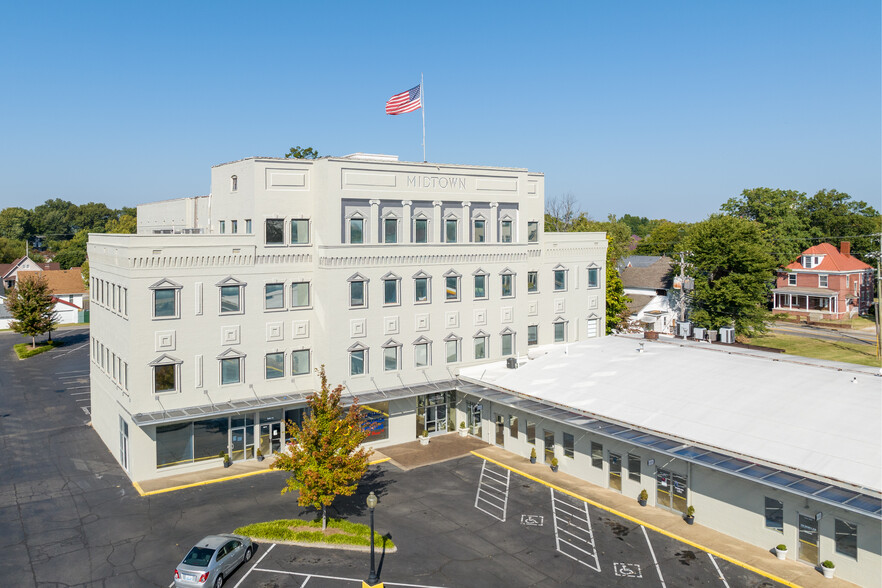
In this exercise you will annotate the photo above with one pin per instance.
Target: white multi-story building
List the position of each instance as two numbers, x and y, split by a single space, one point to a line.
208 324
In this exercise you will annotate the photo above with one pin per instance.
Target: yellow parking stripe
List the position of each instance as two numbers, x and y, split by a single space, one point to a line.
732 560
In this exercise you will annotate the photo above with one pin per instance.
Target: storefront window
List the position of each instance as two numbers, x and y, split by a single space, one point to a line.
174 445
210 438
376 420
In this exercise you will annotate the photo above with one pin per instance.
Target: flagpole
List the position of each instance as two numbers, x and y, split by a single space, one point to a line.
423 102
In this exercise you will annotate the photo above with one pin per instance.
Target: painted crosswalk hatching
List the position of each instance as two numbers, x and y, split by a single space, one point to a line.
572 531
492 496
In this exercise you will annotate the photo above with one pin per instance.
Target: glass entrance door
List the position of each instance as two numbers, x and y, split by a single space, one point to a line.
474 418
241 443
671 491
270 438
663 488
808 539
679 494
436 418
500 430
548 437
615 472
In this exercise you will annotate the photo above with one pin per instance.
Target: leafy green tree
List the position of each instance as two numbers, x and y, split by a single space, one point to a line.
618 234
640 225
780 214
124 224
617 313
665 238
324 454
10 250
72 253
129 210
92 216
834 217
732 268
301 153
53 218
561 214
85 272
15 223
31 307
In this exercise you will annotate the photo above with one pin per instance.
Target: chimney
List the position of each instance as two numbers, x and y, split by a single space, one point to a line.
845 248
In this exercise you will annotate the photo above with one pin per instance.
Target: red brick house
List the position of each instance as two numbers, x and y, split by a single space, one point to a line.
824 283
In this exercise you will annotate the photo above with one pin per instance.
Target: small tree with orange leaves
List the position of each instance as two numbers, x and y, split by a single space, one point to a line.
324 454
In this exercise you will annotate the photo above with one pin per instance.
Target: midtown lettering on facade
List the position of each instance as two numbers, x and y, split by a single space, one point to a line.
436 182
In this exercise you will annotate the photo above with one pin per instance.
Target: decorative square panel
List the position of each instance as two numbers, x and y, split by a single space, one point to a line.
451 320
299 329
592 302
506 314
560 305
275 331
390 325
165 341
357 328
230 335
533 308
421 322
480 317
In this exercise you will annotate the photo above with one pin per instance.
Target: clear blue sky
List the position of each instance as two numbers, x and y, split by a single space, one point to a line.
658 109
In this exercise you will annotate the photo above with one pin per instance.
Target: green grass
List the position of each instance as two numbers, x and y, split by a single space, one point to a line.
820 349
353 533
24 350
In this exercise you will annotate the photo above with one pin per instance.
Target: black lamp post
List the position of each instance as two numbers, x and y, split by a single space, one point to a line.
373 579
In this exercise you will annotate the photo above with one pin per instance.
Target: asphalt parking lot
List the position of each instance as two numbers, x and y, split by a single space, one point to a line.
70 517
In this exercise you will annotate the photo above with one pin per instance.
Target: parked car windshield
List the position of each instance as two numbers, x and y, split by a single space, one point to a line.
199 556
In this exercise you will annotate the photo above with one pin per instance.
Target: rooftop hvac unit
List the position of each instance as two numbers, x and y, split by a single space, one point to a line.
699 332
727 335
511 363
684 329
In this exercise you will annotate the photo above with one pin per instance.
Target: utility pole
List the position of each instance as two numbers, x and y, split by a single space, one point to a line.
683 284
878 294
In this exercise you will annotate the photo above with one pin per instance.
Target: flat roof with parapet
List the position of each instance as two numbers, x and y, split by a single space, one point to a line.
818 417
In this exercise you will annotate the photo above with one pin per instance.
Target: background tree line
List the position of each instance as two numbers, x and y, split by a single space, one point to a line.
732 255
59 228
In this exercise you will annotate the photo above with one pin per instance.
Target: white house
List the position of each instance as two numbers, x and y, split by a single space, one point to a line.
648 283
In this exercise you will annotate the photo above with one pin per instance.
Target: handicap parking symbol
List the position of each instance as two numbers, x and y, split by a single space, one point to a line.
532 520
627 570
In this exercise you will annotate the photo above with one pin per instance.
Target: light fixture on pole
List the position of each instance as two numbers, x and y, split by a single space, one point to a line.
373 580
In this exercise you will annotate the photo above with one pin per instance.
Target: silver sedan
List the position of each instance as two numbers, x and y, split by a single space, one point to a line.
212 560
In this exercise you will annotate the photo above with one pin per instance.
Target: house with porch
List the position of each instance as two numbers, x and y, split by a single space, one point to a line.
647 281
824 283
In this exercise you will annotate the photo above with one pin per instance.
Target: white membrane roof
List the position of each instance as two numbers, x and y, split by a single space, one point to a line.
822 418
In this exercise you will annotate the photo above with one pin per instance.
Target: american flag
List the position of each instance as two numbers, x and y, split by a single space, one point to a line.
405 102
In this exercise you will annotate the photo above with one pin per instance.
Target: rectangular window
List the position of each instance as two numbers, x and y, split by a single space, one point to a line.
532 281
633 467
505 233
421 231
507 344
248 226
390 359
274 296
560 279
513 426
164 303
300 294
569 445
560 332
507 286
390 291
452 288
275 365
234 227
421 354
165 378
390 230
846 538
300 362
356 362
531 432
356 293
231 370
230 299
479 231
174 444
453 351
822 281
533 335
480 347
791 279
774 515
450 231
593 277
223 227
421 289
275 231
299 231
597 455
210 437
356 231
533 232
480 286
